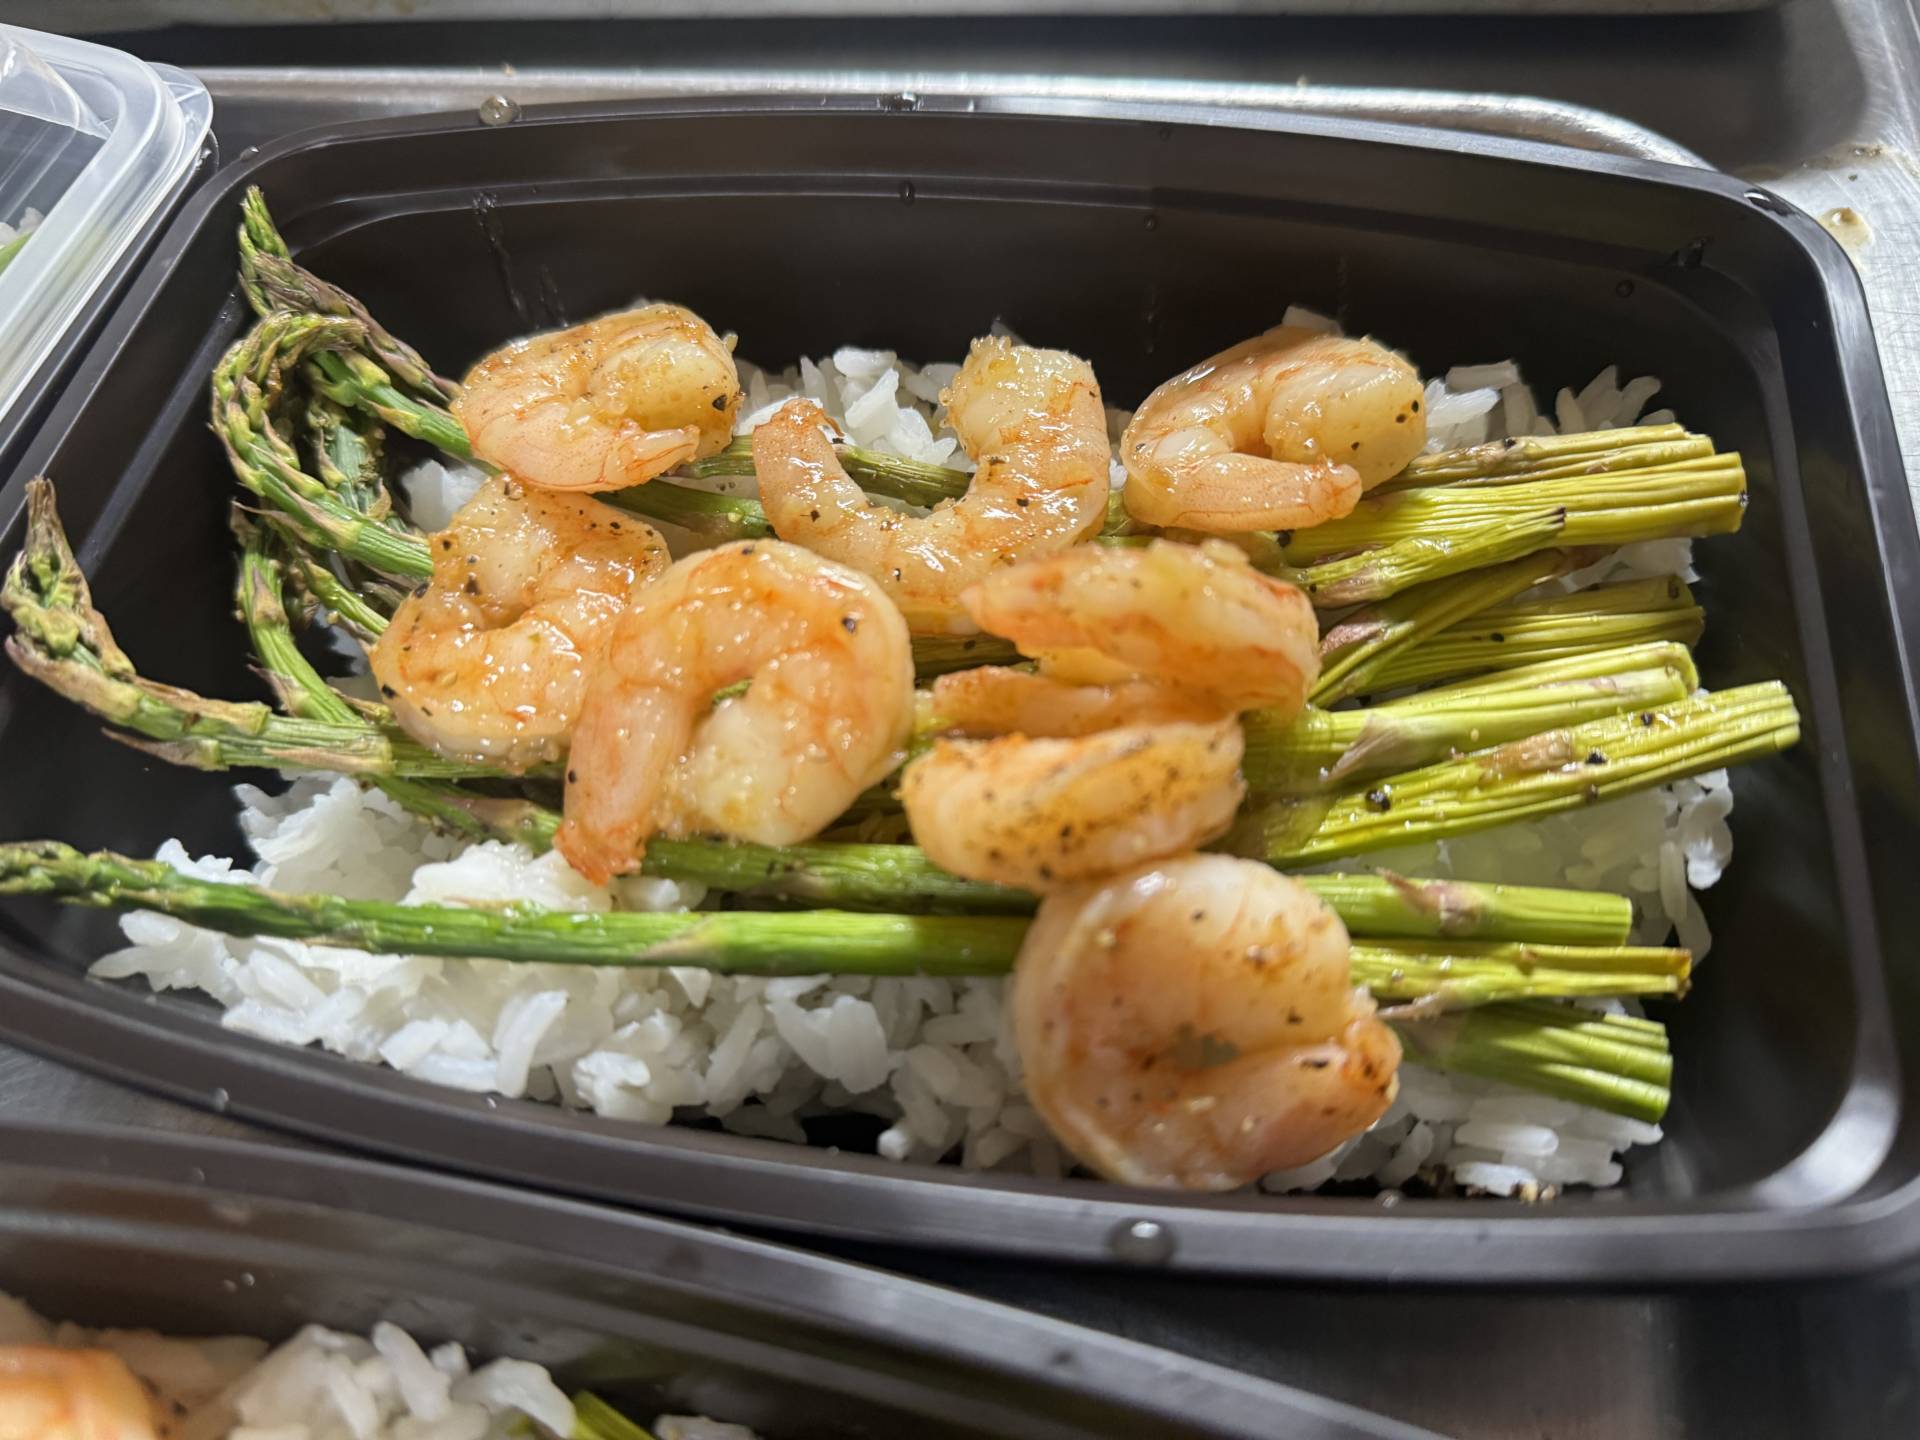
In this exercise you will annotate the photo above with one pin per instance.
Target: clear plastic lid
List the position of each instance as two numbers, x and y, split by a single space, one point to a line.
93 146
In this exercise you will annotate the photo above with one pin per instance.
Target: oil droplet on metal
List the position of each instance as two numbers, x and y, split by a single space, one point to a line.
498 110
1848 226
1141 1242
220 1100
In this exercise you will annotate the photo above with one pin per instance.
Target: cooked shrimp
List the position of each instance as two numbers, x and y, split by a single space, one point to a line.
1000 700
604 405
1041 813
490 660
1199 620
1280 432
47 1393
1034 421
1193 1023
826 715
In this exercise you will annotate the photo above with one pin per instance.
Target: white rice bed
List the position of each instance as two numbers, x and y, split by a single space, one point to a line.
327 1385
931 1058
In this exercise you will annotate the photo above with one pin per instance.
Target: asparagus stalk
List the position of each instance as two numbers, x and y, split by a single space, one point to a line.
1610 1062
331 600
1449 973
247 387
1577 1057
1353 651
1527 779
717 519
12 248
1461 974
1317 748
1554 457
355 381
595 1419
1389 569
895 476
1521 634
935 655
1703 496
273 281
740 942
347 446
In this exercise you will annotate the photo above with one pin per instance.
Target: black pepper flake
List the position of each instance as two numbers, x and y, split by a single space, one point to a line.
1646 718
1400 419
446 542
719 402
746 549
388 691
1294 1017
473 559
850 623
1497 638
1197 916
472 587
1416 407
1594 757
1380 799
813 514
1315 1062
1021 501
573 777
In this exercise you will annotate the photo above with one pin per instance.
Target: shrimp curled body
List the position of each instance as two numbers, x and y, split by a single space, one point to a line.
1034 421
1193 1023
827 713
605 405
49 1393
1197 620
1000 700
1280 432
1041 813
490 660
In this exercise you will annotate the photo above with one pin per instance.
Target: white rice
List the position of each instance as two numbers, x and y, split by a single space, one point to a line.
326 1385
932 1059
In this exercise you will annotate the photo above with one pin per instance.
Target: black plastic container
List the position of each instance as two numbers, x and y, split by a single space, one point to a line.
198 1237
1141 239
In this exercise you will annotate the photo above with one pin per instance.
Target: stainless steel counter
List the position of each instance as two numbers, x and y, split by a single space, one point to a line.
1811 100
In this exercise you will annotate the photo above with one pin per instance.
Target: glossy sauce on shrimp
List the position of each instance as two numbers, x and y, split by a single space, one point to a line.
827 711
1193 1023
490 660
51 1393
1034 421
1042 813
1197 620
1280 432
605 405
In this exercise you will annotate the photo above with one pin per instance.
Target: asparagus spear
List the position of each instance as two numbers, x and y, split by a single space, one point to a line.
1636 612
943 654
1353 651
1463 974
356 381
1703 496
1554 457
247 388
1577 1058
1318 748
742 942
878 473
273 281
1610 1062
1387 570
1526 779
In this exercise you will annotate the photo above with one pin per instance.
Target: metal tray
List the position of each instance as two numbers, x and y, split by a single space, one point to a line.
109 1227
1793 1140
